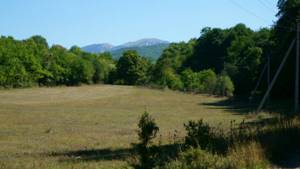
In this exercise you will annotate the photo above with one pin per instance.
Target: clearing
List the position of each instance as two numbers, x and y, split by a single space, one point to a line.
92 126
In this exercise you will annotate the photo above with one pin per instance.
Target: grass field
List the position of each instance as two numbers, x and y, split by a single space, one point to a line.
90 126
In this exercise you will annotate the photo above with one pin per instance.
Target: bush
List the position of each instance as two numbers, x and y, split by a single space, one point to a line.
147 131
199 159
207 79
190 80
224 86
200 134
171 80
203 81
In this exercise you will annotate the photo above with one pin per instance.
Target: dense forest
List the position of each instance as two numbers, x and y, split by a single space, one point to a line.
221 61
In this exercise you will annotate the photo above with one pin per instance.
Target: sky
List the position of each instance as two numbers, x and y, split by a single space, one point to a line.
84 22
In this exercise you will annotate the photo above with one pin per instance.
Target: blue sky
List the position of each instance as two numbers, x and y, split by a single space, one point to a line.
82 22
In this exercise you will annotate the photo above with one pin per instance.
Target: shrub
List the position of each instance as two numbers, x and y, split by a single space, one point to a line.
190 80
147 131
199 159
203 81
207 79
200 134
224 86
171 80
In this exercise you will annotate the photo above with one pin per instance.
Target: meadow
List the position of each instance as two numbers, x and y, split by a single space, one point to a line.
93 126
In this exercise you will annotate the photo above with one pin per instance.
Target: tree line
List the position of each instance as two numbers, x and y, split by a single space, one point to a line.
31 62
220 61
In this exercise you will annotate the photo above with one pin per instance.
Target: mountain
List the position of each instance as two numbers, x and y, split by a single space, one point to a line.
153 52
151 48
142 43
98 48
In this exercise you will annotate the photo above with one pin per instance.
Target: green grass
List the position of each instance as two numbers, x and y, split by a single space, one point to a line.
45 127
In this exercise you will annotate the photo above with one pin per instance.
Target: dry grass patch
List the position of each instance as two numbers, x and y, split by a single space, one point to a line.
37 122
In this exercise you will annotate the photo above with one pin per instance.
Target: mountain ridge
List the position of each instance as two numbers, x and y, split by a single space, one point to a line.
149 47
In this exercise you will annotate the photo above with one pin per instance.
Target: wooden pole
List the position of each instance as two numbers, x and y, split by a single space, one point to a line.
275 77
258 82
269 76
269 71
297 70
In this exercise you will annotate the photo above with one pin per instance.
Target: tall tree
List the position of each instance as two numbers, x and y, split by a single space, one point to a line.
132 69
284 33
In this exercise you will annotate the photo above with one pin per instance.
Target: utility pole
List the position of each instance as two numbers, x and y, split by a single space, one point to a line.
297 69
269 70
275 76
268 76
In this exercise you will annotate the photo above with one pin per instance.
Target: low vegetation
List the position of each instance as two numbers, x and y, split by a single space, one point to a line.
246 145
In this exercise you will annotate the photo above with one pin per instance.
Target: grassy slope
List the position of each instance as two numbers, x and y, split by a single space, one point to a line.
38 122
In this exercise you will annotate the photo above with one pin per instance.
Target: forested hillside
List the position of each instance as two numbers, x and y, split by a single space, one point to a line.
220 61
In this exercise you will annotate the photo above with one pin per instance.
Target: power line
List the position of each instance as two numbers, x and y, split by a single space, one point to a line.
270 2
259 17
248 11
263 3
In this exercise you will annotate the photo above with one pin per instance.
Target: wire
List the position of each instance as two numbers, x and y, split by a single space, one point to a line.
270 1
259 17
263 3
248 11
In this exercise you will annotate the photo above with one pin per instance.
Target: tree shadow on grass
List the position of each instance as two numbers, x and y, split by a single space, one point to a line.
94 154
240 105
169 151
235 105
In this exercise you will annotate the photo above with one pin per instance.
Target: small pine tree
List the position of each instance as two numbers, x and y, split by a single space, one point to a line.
147 131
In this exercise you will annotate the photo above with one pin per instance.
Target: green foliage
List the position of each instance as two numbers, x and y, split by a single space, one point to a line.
195 66
190 80
147 131
103 65
210 50
224 86
31 62
171 60
132 69
201 135
18 65
199 159
283 34
170 79
246 59
207 79
203 81
238 51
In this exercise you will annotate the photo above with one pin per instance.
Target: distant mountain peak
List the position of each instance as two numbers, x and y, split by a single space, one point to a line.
98 48
150 47
143 42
